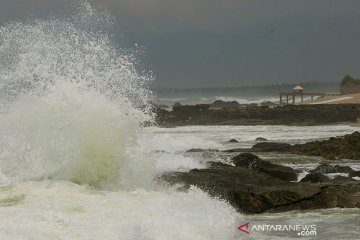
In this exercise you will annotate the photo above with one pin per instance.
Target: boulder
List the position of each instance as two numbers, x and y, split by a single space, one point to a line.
233 141
342 179
267 104
354 174
315 177
327 168
271 147
245 158
224 104
253 162
343 169
177 104
236 150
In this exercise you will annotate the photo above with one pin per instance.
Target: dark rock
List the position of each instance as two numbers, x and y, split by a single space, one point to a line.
343 169
255 192
233 114
261 139
346 147
245 158
327 168
177 104
267 104
233 141
342 179
324 168
271 147
213 164
194 150
236 150
253 162
199 150
354 174
315 177
223 104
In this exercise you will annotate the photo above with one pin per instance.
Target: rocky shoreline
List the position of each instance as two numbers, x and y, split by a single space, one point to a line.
253 185
336 148
251 188
292 115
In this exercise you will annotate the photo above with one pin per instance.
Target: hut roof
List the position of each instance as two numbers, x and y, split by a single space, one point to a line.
298 88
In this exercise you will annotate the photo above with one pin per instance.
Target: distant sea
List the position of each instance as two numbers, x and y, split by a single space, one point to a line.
243 95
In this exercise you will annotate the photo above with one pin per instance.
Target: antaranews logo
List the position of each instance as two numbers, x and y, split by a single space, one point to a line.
244 228
299 230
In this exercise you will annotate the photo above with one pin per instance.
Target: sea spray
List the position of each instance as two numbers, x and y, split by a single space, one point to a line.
73 103
72 163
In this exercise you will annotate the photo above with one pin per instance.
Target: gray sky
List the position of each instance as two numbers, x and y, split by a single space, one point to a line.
202 43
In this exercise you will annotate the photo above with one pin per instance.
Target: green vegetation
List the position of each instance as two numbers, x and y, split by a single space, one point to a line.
349 81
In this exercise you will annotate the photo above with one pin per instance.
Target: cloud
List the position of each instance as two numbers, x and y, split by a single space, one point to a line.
229 42
171 15
159 16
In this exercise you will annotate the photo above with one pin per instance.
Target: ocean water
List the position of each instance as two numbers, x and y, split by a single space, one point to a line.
76 163
171 144
170 101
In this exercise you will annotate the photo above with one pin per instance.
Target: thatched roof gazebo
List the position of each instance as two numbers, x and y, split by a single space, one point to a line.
298 89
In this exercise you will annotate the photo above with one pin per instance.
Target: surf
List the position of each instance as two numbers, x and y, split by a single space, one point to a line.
74 104
72 150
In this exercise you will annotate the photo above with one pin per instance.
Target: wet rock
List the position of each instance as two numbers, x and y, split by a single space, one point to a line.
254 192
327 168
221 113
224 104
200 150
345 147
315 177
324 168
246 159
271 147
354 174
261 139
236 150
267 104
253 162
343 169
213 164
177 104
195 150
342 179
233 141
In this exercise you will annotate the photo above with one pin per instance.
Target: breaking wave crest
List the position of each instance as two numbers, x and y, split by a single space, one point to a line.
73 104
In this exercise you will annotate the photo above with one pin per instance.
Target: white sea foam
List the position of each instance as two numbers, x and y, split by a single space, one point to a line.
180 139
62 210
73 161
72 104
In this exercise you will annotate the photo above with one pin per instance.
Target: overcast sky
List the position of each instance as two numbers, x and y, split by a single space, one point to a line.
201 43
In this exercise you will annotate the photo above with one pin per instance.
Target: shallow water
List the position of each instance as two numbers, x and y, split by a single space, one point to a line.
330 224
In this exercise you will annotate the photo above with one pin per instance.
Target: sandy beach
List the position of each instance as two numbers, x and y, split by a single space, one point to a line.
341 99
